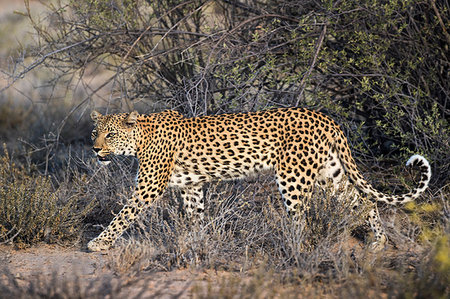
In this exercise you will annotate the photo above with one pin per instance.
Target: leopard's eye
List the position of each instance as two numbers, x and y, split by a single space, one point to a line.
94 134
110 135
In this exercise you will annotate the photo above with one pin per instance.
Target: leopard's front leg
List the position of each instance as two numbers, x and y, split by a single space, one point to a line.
115 229
153 178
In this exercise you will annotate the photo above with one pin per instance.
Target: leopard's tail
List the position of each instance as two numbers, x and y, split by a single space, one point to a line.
356 178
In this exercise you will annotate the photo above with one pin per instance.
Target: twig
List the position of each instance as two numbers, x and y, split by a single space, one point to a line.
230 32
438 15
11 238
42 59
313 62
127 102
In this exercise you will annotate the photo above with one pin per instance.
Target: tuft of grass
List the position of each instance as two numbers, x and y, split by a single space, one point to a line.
57 286
31 209
263 283
133 257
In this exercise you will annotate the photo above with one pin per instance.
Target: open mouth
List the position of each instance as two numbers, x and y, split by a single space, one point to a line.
103 159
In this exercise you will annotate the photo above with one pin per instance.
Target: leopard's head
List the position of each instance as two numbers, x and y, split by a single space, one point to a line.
113 134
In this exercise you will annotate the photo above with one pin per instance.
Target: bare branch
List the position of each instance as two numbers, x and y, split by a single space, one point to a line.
313 63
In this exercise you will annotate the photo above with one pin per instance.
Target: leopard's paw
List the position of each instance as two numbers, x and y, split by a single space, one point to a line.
98 245
378 245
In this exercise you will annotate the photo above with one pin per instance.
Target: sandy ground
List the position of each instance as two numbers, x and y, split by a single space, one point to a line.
88 273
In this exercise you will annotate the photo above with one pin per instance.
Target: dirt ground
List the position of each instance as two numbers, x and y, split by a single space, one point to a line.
89 273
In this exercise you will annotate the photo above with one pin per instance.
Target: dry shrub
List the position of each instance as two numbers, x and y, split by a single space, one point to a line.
246 228
32 210
238 234
423 275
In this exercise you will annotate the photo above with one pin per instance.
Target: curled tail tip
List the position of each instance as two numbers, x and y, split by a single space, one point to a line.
425 168
418 160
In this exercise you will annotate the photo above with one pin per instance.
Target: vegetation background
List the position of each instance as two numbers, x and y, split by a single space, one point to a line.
380 68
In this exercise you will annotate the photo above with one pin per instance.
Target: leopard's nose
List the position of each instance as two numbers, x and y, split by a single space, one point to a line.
96 149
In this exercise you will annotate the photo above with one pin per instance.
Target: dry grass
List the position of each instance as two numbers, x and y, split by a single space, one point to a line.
56 286
241 236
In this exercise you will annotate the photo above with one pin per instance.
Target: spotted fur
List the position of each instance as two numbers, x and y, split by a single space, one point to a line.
304 148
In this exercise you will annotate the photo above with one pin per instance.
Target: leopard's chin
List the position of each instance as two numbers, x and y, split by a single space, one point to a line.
103 160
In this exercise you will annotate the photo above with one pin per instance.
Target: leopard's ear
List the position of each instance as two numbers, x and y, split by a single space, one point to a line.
95 115
131 119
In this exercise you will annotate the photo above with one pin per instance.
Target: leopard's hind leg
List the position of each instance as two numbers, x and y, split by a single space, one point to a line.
193 201
333 176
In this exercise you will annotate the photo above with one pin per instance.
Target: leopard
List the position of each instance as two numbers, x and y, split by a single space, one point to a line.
304 149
